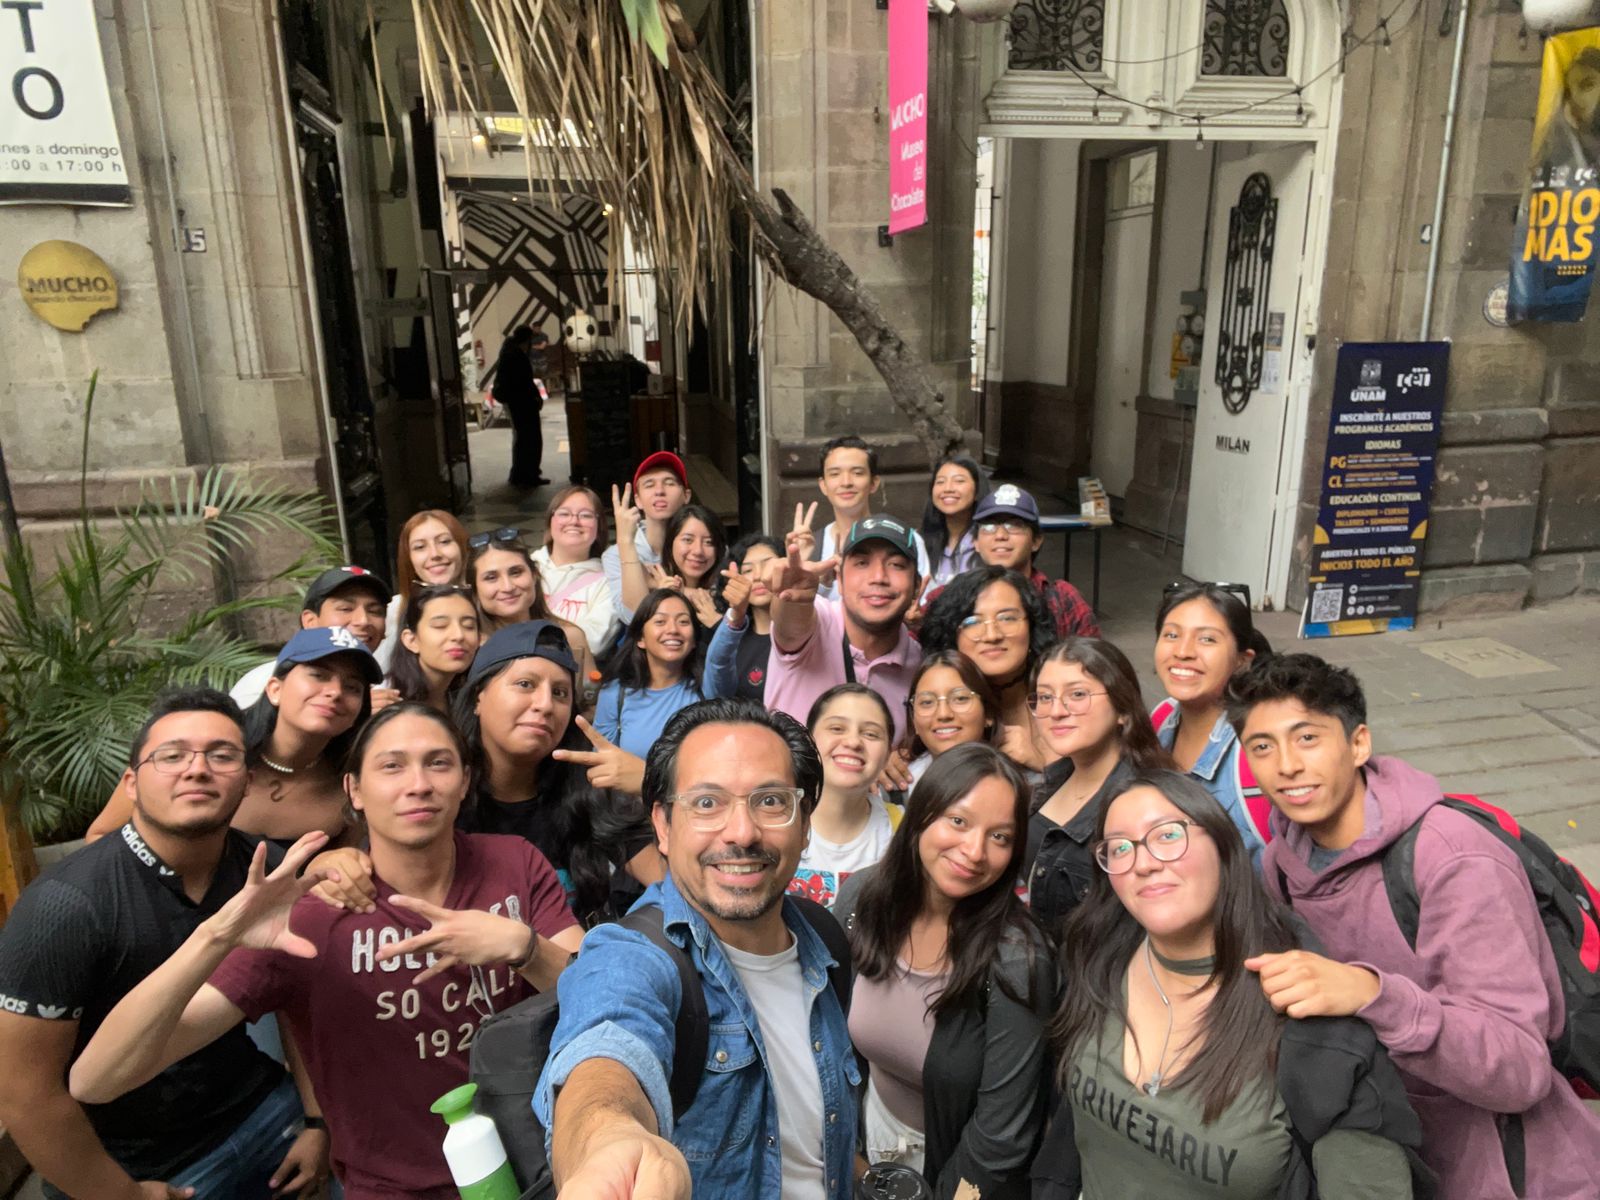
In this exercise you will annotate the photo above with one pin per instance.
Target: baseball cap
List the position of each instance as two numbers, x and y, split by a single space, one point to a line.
658 460
313 645
1007 500
526 639
330 581
881 529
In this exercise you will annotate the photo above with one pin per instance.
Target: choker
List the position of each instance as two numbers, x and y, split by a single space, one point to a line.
283 770
1201 967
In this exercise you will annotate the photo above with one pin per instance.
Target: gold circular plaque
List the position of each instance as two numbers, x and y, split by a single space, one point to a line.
66 284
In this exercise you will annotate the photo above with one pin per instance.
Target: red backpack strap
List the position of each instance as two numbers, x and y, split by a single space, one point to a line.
1255 800
1160 713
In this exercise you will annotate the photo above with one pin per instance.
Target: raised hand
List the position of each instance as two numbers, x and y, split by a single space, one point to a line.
609 765
258 914
801 533
705 608
796 577
383 697
625 514
656 576
896 776
736 588
469 936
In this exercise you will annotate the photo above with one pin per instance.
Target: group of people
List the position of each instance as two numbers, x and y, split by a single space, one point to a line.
957 900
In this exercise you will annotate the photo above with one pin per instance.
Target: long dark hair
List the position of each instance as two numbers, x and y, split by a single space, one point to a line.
1235 614
538 608
261 718
1110 668
629 665
406 675
719 540
942 626
587 823
893 897
935 532
971 678
1238 1035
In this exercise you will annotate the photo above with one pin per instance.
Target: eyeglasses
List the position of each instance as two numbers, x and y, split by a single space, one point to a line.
1076 701
504 534
1166 842
959 699
1241 590
583 516
1009 621
770 808
175 760
1014 528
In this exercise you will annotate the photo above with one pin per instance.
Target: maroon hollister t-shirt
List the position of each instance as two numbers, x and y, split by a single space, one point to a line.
380 1049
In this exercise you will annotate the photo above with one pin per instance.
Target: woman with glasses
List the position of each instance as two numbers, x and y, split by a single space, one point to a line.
947 530
505 582
1087 709
995 618
657 671
851 824
432 550
950 704
692 560
573 581
1204 637
296 738
736 659
955 984
1178 1079
436 645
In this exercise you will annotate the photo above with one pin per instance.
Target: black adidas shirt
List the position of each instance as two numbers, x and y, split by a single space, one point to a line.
81 937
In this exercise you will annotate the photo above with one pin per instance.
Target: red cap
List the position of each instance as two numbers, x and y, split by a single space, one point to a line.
658 460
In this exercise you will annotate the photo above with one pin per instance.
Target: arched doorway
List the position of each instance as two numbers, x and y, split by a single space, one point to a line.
1130 334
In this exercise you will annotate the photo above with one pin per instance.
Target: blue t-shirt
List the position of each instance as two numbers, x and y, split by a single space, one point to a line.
644 713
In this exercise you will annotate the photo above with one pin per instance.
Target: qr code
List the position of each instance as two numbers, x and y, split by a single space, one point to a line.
1325 605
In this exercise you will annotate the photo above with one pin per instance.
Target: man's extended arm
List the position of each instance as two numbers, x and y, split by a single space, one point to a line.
604 1142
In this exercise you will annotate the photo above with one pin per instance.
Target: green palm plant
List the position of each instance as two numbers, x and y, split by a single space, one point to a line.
84 649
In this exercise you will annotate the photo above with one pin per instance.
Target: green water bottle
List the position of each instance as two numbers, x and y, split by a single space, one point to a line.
473 1150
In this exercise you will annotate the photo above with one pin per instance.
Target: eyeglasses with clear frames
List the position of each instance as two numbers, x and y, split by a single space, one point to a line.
1014 528
1009 621
710 811
1075 700
1166 842
175 760
583 516
959 699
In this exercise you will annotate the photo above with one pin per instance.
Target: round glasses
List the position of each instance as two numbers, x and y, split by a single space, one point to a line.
175 760
583 516
1166 842
1075 701
1008 622
770 808
960 700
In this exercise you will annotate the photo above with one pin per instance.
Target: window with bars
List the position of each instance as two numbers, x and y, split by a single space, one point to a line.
1245 38
1057 35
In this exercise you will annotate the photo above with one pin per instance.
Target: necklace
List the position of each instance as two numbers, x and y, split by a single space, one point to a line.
1153 1085
1200 967
276 766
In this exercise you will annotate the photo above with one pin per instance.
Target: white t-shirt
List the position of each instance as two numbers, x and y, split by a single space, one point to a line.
825 865
830 547
777 990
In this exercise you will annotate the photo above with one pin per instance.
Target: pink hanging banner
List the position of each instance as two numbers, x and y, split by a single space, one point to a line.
908 114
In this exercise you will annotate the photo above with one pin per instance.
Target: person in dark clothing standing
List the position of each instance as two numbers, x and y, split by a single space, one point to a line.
514 387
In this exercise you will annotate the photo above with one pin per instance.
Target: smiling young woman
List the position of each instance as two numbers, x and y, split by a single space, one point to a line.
656 672
506 584
570 569
957 485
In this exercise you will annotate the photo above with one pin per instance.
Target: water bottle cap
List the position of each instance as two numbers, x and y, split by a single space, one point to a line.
455 1105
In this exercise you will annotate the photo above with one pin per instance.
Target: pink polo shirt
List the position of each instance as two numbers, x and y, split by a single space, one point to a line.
796 678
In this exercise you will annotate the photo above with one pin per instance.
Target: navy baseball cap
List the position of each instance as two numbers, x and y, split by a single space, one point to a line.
313 645
526 639
881 529
1007 500
328 582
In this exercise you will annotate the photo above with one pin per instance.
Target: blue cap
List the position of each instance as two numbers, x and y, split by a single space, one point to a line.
526 639
1007 500
312 645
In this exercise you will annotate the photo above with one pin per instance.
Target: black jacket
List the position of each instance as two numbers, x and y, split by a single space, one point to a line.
986 1077
1332 1074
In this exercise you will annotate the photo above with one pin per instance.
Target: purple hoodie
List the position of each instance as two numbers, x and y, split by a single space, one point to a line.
1467 1015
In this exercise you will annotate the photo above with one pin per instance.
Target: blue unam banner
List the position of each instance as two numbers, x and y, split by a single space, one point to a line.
1377 483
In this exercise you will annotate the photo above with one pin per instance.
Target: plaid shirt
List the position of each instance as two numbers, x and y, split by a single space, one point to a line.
1069 612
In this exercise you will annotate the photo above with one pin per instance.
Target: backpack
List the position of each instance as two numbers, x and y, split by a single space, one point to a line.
1255 800
1569 908
511 1047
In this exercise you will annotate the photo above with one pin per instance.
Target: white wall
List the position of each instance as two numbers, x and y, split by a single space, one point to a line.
1040 207
1181 246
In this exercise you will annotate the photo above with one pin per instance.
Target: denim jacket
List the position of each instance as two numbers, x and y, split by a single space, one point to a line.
620 999
1217 770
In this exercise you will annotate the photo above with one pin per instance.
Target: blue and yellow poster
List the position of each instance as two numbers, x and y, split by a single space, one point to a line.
1553 257
1377 485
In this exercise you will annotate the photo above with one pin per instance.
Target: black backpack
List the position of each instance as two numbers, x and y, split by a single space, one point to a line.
511 1047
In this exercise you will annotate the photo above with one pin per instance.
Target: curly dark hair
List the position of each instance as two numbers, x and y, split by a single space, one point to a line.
942 626
1320 686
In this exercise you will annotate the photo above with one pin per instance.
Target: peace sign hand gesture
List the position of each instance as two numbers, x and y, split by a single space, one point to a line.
625 514
257 916
609 765
469 936
795 579
801 533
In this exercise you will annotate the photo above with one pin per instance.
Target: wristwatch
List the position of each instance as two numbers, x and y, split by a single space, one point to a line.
316 1123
